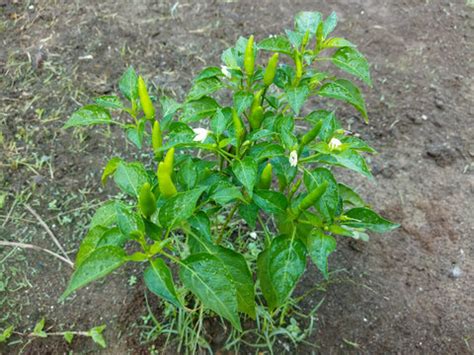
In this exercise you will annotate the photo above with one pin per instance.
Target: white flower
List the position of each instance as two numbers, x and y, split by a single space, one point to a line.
201 134
293 158
253 235
225 71
334 144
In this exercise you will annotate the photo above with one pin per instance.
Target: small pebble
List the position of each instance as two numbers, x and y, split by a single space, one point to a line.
455 272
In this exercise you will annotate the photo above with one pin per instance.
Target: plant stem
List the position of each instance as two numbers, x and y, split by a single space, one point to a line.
264 227
229 217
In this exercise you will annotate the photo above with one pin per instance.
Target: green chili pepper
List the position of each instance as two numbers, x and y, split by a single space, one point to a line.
257 98
256 118
309 136
311 198
156 138
165 184
299 66
238 127
168 162
305 40
146 200
270 70
249 59
145 100
266 177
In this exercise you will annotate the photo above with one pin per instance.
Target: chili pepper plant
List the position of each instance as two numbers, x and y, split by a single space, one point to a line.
235 158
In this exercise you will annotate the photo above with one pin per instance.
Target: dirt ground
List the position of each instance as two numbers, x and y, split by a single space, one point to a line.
408 292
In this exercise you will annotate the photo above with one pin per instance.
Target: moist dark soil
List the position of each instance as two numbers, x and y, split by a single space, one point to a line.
407 292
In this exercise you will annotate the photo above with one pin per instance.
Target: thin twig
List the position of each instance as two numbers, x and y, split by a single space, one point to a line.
9 213
35 247
45 226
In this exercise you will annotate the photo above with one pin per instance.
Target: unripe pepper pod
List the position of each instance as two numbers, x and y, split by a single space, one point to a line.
156 138
256 118
305 40
249 59
299 66
145 100
238 127
270 70
311 198
257 98
146 200
266 177
165 184
310 135
168 162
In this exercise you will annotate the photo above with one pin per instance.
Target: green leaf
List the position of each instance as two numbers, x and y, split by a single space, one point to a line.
246 172
328 202
249 213
279 268
350 196
240 274
68 336
201 226
109 102
112 236
270 201
329 24
130 177
136 134
99 263
319 247
224 192
242 101
128 84
6 334
206 277
89 115
187 173
357 144
238 270
353 62
179 132
368 219
344 90
38 329
307 21
89 243
204 87
337 43
96 335
349 159
169 107
278 44
266 150
127 221
105 215
197 110
179 208
230 57
159 280
297 96
296 38
209 72
110 169
221 120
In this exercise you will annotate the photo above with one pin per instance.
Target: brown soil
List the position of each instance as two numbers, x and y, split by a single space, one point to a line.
395 294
